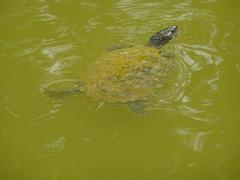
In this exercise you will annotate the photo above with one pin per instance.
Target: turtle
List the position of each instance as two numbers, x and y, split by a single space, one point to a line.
136 76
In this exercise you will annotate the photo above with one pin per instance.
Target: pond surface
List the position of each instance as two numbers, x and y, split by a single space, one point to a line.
45 138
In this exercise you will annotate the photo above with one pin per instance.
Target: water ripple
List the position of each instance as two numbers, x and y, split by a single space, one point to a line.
193 138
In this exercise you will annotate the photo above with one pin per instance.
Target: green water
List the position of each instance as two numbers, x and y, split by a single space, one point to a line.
44 138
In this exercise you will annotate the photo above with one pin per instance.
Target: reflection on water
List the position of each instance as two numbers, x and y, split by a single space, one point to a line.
194 126
201 58
54 146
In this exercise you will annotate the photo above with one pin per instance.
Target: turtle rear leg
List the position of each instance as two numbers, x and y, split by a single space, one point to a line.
62 88
116 47
63 93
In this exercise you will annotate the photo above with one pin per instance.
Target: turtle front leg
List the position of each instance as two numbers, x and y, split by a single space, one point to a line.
168 53
137 106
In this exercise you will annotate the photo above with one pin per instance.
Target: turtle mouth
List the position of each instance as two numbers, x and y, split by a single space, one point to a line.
169 33
172 31
173 28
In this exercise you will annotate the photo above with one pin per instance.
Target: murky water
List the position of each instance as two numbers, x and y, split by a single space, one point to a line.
45 138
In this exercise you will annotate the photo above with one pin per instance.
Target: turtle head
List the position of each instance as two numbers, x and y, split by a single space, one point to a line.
162 37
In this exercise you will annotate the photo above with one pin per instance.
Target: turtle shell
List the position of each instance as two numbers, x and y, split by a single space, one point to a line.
130 74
